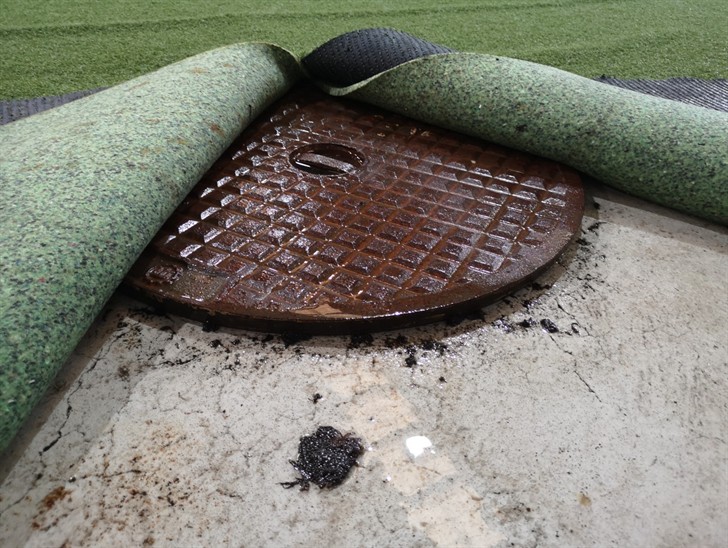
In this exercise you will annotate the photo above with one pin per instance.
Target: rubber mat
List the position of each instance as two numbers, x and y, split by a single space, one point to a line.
331 216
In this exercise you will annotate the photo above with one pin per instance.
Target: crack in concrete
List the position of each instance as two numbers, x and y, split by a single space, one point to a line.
586 384
230 494
21 498
105 476
60 434
69 407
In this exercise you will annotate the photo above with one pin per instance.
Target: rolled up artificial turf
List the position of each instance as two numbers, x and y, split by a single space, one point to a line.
664 151
85 187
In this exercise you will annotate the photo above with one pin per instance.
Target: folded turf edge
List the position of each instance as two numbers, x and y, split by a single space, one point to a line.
664 151
85 187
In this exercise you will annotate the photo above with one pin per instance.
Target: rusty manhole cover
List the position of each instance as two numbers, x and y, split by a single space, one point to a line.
329 216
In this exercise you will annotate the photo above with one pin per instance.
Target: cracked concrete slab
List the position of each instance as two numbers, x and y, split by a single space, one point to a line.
586 409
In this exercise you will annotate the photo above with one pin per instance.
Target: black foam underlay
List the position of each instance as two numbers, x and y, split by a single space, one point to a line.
361 54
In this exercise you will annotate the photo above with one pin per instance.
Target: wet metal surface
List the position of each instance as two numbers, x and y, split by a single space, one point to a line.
331 216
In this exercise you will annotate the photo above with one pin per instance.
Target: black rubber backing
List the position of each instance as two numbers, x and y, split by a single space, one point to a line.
15 109
703 93
358 55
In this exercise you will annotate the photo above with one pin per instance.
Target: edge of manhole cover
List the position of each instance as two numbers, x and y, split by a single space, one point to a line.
329 216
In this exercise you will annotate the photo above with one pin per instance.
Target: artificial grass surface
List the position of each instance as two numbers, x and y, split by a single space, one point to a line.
57 46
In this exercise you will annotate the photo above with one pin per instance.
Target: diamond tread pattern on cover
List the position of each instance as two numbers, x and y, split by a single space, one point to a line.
389 218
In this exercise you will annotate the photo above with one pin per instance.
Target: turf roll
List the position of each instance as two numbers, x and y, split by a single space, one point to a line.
664 151
84 187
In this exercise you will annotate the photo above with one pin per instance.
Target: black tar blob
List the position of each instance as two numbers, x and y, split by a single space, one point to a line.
325 458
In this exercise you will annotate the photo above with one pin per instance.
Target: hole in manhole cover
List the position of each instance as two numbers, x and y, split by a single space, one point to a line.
327 159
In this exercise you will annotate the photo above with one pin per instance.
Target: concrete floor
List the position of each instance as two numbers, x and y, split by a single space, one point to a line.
611 431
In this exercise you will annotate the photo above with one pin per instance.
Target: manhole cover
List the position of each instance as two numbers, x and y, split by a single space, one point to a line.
329 216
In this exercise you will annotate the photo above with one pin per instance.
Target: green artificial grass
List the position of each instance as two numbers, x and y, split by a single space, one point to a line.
56 46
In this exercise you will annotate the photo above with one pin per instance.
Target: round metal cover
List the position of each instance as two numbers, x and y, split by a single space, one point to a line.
329 216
